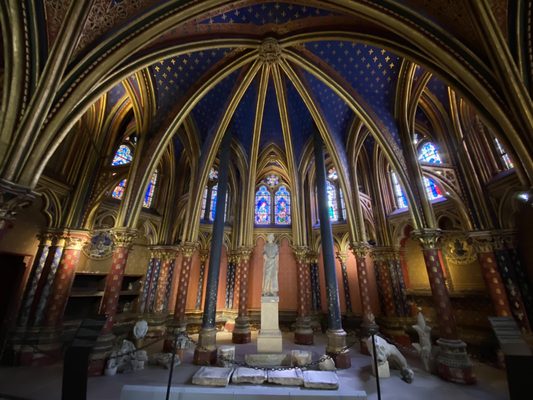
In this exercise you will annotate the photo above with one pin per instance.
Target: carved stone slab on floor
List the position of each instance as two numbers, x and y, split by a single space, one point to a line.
212 376
286 377
268 359
249 375
321 380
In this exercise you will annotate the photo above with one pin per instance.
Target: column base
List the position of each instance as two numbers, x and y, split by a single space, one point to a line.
170 336
241 332
99 355
206 350
453 363
303 333
336 348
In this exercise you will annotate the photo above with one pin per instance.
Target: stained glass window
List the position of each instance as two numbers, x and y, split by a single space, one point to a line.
214 194
272 180
332 174
150 190
428 153
213 174
401 200
204 202
332 201
122 156
118 192
432 190
262 206
283 206
343 206
507 163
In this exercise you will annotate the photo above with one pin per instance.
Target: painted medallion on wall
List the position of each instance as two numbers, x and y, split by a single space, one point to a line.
100 246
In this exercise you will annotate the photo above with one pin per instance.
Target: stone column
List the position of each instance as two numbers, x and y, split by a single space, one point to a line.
316 301
343 257
203 258
163 282
484 245
45 241
44 286
143 305
241 332
205 352
123 240
335 333
398 284
453 363
60 290
230 281
303 333
361 250
385 283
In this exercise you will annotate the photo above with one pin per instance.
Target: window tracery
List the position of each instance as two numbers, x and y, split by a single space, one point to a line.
272 202
429 153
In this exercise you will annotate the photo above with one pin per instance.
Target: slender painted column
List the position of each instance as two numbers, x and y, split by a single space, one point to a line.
150 306
46 279
385 284
163 281
60 290
316 301
45 241
343 257
484 245
205 352
241 332
230 281
147 286
123 239
200 291
452 361
336 335
303 333
398 284
361 250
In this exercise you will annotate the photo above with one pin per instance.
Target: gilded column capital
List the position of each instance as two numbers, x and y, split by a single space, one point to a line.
300 253
45 238
204 255
505 238
75 239
243 254
312 257
360 250
382 254
429 238
342 256
123 237
188 248
166 253
483 241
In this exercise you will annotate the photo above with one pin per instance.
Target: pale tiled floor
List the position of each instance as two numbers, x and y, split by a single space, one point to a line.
45 383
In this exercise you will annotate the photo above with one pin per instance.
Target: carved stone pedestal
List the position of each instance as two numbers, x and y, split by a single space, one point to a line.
336 348
453 363
269 338
241 331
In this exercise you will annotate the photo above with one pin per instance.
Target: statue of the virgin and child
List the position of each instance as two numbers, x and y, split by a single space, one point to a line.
270 269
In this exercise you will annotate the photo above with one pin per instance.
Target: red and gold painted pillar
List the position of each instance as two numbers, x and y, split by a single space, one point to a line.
484 244
241 332
166 255
360 251
64 277
179 322
453 363
385 283
123 240
303 333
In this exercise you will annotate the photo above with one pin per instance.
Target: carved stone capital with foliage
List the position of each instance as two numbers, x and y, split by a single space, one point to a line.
429 238
342 256
76 239
243 254
187 249
123 237
300 253
360 250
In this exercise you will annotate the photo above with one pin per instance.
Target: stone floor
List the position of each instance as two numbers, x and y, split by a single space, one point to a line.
44 383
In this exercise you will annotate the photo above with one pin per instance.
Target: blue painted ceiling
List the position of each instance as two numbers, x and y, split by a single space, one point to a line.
372 72
267 13
440 90
271 131
242 123
113 96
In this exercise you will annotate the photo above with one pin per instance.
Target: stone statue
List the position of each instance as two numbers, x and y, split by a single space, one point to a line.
270 270
424 339
389 352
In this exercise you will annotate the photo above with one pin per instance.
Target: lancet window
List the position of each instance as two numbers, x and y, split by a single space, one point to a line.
210 196
118 191
399 195
429 153
432 190
504 157
336 206
272 202
123 155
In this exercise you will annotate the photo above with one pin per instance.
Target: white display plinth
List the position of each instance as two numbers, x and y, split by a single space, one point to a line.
269 338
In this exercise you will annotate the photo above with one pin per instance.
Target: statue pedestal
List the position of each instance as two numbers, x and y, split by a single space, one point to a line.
269 338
